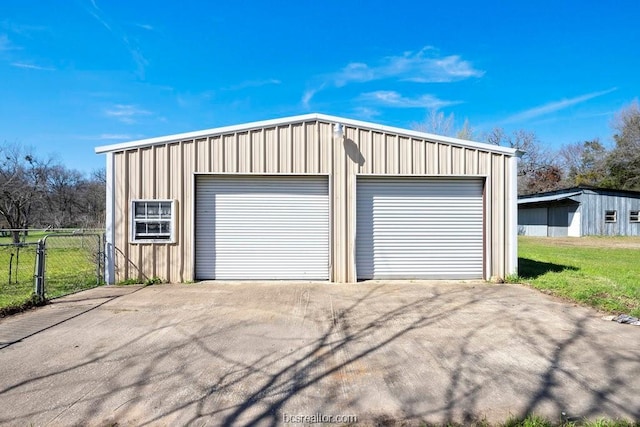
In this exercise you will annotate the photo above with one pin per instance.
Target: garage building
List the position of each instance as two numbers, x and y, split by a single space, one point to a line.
311 197
580 211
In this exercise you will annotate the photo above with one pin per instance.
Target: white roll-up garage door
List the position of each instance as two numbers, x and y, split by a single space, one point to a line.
419 228
266 227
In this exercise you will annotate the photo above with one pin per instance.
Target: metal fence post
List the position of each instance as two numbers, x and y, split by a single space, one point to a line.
99 260
39 276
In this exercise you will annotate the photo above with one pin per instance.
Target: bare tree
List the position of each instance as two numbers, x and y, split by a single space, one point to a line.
22 181
466 132
437 123
39 193
74 199
537 169
585 163
94 199
64 195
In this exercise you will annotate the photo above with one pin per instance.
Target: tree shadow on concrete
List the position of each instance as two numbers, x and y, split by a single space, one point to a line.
532 269
478 348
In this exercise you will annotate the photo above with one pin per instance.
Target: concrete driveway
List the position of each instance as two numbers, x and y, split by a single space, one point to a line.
266 353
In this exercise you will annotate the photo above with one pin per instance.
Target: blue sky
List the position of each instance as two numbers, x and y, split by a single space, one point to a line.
75 74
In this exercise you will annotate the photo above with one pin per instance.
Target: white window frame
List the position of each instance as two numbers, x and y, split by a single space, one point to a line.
634 216
171 221
608 214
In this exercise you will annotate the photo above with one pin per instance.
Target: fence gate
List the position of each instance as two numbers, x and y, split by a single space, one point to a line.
17 261
68 263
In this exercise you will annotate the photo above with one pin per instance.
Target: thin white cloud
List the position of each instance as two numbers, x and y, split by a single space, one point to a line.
126 113
253 84
21 29
31 66
554 106
137 56
424 66
390 98
108 137
188 99
307 95
145 27
5 44
366 112
115 136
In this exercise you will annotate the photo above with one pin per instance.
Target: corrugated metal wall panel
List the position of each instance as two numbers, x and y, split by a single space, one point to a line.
301 148
471 162
419 157
432 158
532 221
244 152
558 221
262 228
121 211
202 155
444 165
457 161
405 152
419 228
298 148
594 204
271 150
378 153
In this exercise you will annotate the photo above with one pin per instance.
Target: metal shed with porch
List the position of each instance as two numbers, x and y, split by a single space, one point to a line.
312 197
580 211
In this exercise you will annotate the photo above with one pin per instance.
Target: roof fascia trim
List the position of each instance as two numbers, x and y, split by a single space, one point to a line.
245 127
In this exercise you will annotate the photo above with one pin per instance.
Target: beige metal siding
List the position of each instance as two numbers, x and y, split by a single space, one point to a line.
167 171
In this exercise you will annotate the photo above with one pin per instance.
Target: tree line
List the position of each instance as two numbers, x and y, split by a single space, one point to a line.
587 163
42 193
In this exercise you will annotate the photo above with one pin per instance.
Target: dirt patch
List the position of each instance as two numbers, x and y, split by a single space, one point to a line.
596 242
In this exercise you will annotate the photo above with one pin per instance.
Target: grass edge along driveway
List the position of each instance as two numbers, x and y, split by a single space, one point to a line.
602 272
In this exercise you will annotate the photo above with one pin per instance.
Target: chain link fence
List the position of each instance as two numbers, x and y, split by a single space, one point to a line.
73 262
17 266
54 265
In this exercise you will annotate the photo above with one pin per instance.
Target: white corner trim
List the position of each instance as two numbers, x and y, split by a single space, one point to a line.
512 200
109 233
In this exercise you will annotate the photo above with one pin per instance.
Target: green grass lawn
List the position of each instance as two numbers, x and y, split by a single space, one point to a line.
32 237
70 267
598 271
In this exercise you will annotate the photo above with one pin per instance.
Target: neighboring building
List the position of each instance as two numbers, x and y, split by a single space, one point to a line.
580 211
310 197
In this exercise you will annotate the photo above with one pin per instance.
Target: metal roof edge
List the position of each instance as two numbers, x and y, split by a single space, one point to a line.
202 133
422 135
548 198
301 118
